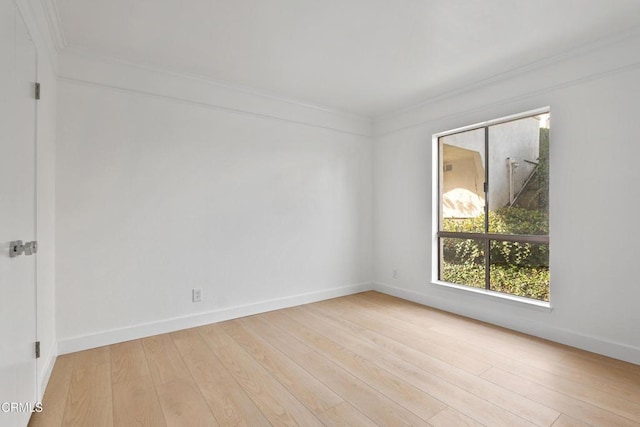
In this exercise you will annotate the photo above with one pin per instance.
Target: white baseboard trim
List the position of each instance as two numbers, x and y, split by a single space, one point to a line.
45 369
99 339
553 333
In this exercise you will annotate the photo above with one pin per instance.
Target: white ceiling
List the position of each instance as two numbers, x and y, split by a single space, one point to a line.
364 56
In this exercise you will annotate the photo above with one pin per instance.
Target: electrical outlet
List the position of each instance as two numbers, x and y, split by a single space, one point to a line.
196 294
394 273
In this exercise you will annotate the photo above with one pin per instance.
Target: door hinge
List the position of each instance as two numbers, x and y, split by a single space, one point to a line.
486 187
37 90
37 349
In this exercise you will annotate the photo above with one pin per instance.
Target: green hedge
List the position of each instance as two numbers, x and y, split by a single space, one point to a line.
507 220
516 268
522 281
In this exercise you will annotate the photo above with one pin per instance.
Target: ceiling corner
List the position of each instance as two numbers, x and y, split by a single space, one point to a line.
55 24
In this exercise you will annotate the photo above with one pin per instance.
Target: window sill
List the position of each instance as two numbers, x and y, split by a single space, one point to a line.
542 305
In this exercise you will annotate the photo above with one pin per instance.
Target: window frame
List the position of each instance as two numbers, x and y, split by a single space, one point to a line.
485 237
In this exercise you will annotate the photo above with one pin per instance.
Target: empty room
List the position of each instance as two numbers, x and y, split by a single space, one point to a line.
297 212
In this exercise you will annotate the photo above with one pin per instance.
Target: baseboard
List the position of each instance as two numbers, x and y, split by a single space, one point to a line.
99 339
48 361
563 336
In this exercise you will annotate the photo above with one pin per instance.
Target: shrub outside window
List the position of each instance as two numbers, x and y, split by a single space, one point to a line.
493 228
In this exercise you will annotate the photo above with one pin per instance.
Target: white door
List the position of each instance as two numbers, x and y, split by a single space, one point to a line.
17 218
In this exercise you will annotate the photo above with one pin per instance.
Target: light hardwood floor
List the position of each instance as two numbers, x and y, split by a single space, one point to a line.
362 360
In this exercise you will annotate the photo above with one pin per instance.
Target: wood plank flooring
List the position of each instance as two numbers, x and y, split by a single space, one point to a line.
363 360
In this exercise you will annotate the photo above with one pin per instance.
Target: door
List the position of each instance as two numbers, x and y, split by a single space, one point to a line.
18 58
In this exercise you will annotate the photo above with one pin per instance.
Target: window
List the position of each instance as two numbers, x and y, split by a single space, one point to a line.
493 227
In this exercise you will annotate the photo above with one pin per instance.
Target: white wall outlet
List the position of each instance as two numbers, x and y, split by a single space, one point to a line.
196 294
394 273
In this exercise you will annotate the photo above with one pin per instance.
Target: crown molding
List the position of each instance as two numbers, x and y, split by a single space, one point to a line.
54 23
34 15
85 67
592 60
580 50
88 55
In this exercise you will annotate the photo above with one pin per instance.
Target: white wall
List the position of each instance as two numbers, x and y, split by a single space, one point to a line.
594 99
35 19
158 195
